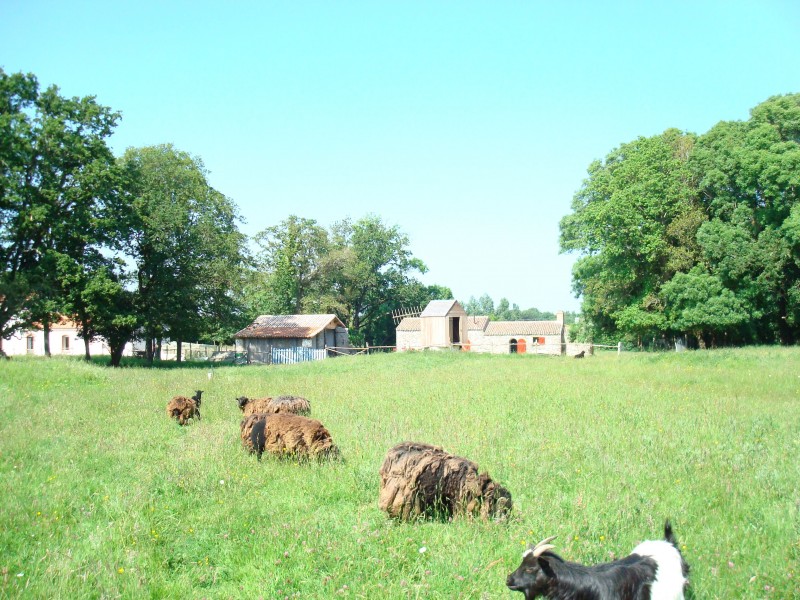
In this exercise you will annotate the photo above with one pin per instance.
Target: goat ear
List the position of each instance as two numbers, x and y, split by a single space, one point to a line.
546 567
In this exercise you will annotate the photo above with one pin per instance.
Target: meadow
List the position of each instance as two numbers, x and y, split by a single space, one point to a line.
102 496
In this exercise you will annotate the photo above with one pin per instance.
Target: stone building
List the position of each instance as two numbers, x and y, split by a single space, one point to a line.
445 324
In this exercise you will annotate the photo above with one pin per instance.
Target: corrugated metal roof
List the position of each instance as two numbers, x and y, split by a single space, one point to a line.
524 328
409 324
288 326
440 308
475 322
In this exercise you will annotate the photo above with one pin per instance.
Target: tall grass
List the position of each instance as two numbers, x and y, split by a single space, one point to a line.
102 496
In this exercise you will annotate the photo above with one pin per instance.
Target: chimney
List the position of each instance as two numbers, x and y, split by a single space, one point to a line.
560 317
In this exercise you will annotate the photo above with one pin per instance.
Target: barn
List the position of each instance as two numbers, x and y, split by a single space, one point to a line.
291 338
445 324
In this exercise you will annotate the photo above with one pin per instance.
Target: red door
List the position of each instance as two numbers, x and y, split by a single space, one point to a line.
521 346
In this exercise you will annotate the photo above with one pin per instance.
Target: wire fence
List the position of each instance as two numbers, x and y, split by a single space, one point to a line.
284 356
191 351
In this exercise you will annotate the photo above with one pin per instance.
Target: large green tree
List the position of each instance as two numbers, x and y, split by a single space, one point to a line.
360 271
55 184
697 302
634 221
288 266
749 181
368 265
683 232
185 244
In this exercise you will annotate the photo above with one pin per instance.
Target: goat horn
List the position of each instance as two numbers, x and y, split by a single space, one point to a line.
543 546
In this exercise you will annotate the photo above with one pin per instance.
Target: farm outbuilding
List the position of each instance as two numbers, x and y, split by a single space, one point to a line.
444 324
291 338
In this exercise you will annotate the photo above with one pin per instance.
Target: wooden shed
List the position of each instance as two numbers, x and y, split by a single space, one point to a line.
443 324
291 338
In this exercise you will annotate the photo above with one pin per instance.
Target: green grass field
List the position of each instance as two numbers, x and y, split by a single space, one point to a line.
104 497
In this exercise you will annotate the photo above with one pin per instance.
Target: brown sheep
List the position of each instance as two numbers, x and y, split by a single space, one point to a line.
290 404
421 480
253 406
183 408
246 427
281 404
285 434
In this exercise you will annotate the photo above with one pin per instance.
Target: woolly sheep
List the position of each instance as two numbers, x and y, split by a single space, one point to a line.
286 434
423 480
281 404
183 408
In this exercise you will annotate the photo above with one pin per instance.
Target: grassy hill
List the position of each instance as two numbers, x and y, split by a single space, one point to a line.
102 496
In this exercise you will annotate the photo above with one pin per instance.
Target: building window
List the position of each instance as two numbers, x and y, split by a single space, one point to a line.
65 343
29 343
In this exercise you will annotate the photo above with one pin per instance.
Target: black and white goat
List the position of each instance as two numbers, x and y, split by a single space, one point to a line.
655 570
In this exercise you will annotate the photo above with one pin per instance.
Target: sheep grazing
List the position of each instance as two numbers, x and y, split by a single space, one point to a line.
253 406
290 404
421 480
281 404
655 570
580 354
285 434
183 408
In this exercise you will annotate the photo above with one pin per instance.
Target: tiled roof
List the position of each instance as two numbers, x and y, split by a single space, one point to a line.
475 322
409 324
439 308
288 326
524 328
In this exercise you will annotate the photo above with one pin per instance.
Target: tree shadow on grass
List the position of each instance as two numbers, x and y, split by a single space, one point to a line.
131 362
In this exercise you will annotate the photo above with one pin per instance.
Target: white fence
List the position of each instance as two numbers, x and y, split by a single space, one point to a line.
288 356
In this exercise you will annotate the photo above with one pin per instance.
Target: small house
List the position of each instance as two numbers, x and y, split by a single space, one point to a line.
64 340
291 338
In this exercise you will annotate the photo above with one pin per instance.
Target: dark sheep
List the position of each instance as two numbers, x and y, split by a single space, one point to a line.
421 480
182 408
285 434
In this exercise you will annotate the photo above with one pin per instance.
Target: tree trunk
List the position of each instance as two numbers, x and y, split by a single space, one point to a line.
46 334
179 346
116 352
700 341
157 350
87 354
148 348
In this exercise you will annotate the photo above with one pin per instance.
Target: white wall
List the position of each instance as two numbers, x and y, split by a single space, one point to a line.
18 344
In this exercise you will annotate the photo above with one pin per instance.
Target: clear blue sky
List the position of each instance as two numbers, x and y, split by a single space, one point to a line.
469 125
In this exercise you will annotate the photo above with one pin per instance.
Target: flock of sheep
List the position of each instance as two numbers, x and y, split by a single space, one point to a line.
416 479
421 480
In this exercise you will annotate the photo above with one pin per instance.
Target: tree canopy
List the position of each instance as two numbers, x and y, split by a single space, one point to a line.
56 184
679 233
